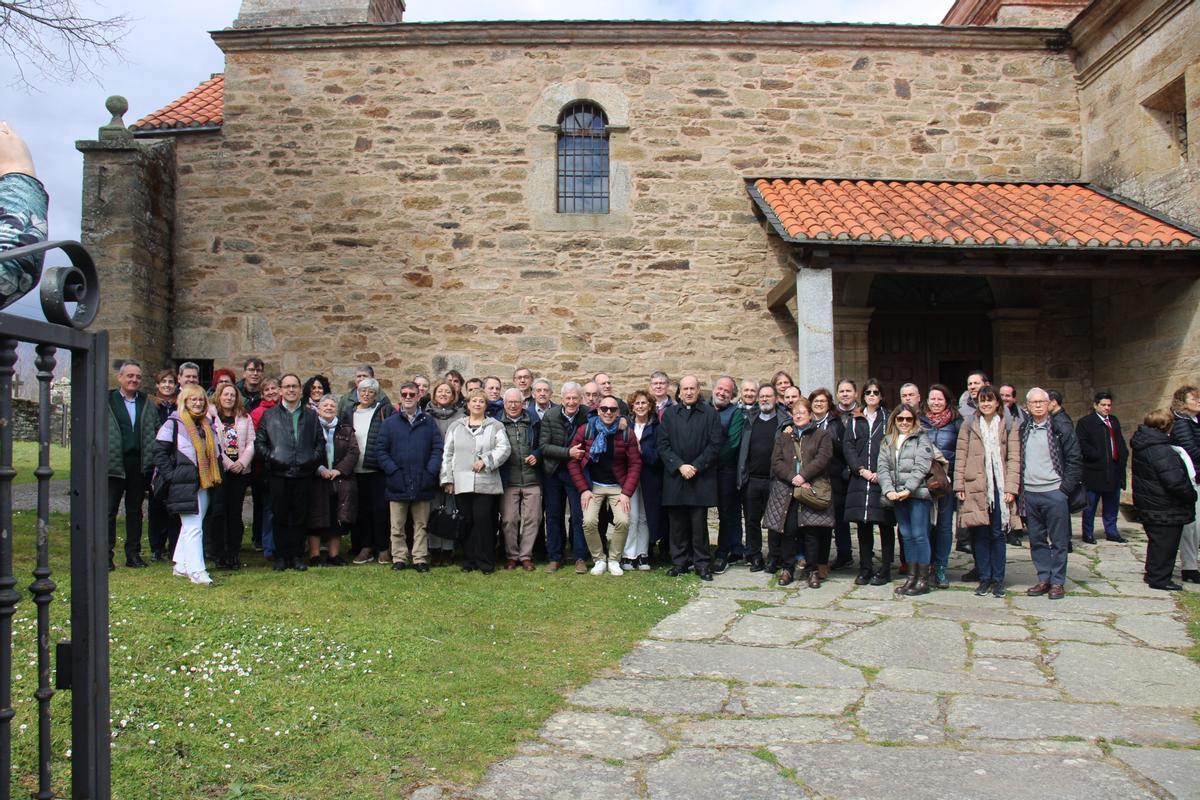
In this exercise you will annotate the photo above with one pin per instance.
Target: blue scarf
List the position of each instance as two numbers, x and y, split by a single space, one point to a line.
600 443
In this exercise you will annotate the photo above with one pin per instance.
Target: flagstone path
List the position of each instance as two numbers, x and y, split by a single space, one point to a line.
751 691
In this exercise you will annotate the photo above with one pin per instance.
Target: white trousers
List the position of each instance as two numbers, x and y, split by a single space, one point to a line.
189 550
637 543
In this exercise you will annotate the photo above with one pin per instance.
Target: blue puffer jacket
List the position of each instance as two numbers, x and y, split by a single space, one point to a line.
945 439
410 455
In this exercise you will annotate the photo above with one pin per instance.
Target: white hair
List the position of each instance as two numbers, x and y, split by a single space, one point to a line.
570 386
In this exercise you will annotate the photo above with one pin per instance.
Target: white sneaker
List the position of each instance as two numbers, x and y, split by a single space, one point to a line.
200 578
614 568
599 567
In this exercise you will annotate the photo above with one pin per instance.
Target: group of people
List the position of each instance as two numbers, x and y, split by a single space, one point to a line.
623 481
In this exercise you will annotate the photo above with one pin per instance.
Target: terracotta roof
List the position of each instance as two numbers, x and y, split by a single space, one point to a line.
202 107
956 214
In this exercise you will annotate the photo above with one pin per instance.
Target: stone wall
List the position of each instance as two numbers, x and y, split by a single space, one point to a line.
377 204
25 422
1134 58
128 213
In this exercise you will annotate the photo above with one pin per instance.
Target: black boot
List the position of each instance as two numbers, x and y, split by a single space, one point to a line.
883 575
910 582
920 584
864 574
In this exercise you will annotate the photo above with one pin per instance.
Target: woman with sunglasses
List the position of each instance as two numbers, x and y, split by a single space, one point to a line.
987 478
864 502
904 460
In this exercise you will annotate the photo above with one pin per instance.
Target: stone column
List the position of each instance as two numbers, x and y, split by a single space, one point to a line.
850 328
814 327
1018 355
128 224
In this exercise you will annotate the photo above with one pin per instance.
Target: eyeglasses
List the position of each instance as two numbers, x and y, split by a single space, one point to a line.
904 419
608 409
872 391
408 394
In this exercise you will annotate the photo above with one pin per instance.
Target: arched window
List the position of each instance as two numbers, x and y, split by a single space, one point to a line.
583 182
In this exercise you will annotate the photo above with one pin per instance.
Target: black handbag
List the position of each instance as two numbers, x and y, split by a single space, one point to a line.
1077 499
446 519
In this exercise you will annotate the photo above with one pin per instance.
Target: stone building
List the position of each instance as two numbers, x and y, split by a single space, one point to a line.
1013 190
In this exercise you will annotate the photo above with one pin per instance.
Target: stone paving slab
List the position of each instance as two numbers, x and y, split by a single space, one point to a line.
995 718
756 629
1126 674
677 696
772 700
994 613
760 732
727 774
556 778
1156 631
901 717
1076 631
1088 750
1176 771
740 663
927 644
921 680
987 648
819 614
1004 632
827 595
884 606
848 771
699 619
603 735
1011 670
1103 606
737 578
759 595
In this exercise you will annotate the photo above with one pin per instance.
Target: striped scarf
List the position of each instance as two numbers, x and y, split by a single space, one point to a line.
204 442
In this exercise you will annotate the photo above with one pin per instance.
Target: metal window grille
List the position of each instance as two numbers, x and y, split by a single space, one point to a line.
1180 122
583 160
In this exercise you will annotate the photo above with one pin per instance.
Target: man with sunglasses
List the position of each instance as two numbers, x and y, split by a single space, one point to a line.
607 475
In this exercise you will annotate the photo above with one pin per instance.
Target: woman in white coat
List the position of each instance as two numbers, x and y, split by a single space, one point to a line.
475 448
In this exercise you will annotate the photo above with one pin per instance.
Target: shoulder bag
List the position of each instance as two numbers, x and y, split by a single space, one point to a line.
937 482
819 492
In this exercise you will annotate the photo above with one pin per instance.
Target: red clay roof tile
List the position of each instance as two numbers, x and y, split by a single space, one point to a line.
202 107
1006 214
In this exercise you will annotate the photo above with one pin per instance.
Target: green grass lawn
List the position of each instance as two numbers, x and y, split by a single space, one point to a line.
25 460
351 682
1191 607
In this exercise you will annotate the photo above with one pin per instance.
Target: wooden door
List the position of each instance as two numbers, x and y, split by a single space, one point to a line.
927 347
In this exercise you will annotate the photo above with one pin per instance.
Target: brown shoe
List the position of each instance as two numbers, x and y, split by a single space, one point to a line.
580 567
1038 589
553 566
527 565
814 580
823 571
785 578
1057 592
385 558
510 564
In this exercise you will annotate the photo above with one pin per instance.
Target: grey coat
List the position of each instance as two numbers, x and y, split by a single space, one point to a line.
908 469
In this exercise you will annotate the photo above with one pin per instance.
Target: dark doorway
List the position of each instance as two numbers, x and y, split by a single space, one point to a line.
929 330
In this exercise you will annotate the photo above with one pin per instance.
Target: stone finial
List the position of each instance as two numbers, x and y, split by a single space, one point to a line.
115 129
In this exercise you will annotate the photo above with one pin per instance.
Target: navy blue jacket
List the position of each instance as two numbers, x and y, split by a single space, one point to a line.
410 455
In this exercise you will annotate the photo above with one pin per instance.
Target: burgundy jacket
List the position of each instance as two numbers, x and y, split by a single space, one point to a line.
627 461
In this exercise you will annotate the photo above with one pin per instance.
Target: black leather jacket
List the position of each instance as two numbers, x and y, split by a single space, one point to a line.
286 455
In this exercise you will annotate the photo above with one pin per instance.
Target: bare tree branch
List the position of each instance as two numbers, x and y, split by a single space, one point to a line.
50 39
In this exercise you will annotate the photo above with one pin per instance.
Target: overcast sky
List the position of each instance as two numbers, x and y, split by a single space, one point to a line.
168 51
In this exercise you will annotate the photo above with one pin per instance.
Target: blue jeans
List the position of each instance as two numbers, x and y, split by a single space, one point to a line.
1111 501
941 536
912 516
1048 523
729 513
990 546
556 485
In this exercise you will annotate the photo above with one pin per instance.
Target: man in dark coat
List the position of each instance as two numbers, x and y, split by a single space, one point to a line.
1104 457
410 455
291 444
132 425
689 442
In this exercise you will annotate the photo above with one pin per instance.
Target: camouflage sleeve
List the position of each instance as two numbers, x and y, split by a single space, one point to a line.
23 204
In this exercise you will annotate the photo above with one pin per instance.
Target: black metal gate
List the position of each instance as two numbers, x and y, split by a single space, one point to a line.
81 663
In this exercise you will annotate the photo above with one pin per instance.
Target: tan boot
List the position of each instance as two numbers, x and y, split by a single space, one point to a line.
823 572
